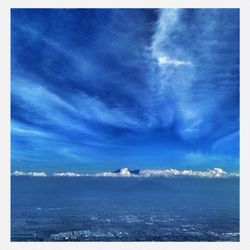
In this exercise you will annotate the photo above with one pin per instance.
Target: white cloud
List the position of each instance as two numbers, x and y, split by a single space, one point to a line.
20 129
168 19
67 174
82 106
37 174
164 60
92 108
34 174
19 173
177 78
51 109
216 172
210 173
166 22
125 172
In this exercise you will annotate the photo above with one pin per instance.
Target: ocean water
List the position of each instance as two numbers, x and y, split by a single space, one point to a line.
124 209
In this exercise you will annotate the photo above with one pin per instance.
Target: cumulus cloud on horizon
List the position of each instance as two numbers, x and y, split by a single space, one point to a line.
33 174
125 172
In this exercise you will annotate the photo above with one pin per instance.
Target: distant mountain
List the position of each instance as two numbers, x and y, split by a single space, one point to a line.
126 171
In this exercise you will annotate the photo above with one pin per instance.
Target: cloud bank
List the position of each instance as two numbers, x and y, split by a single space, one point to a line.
125 172
67 174
33 174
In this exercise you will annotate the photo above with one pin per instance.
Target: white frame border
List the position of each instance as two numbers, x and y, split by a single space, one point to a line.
6 5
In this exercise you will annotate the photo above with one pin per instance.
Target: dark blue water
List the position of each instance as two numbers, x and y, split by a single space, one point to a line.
124 209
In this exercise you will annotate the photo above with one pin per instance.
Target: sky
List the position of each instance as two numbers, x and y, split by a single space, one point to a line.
95 90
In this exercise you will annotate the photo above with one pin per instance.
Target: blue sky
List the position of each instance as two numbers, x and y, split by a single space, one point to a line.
98 89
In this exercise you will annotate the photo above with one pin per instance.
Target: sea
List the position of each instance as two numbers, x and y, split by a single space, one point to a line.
124 209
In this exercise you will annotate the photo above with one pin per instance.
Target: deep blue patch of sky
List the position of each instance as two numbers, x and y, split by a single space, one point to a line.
98 89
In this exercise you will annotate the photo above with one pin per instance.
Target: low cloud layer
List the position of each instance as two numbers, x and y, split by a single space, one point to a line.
33 174
67 174
125 172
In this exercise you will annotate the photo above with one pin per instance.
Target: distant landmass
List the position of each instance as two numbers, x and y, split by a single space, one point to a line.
125 171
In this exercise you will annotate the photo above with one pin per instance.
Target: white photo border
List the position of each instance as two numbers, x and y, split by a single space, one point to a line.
5 7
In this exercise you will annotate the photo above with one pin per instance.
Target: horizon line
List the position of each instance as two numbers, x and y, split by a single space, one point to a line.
125 172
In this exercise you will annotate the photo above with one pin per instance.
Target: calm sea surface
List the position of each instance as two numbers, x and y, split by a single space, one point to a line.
124 209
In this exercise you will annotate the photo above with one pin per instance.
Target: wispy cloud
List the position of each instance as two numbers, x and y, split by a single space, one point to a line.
49 108
162 60
228 144
92 108
185 52
23 130
162 77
